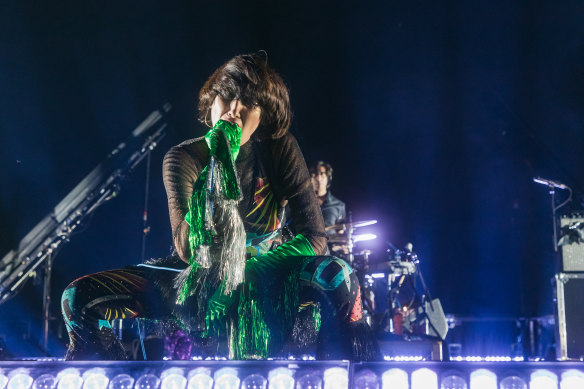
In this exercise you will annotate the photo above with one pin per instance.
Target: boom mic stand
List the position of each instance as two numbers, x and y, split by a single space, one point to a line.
552 185
43 242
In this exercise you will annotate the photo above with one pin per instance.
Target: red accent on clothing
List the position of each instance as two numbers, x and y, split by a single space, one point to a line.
357 312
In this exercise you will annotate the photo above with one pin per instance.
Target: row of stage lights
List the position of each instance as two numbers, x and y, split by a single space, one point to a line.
366 376
425 378
174 378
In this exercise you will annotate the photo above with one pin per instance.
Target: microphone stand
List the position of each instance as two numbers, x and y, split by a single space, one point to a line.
554 221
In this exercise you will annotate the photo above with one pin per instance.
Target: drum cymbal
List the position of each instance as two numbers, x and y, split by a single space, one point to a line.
344 238
342 226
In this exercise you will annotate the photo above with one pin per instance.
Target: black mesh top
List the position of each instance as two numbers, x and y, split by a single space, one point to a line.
271 171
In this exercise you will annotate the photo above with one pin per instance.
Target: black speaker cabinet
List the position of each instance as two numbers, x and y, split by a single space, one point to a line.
569 304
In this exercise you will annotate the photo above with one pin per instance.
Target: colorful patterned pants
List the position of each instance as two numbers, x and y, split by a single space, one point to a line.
91 302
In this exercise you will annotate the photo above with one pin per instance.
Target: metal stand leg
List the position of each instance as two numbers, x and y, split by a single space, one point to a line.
47 302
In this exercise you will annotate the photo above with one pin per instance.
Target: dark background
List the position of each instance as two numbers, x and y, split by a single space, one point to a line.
434 115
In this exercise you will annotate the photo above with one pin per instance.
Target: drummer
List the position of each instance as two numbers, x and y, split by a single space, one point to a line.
333 209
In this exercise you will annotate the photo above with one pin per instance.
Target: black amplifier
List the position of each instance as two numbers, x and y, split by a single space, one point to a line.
571 242
569 306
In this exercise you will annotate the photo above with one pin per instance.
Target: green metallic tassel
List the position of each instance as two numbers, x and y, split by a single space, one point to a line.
252 337
224 144
316 317
226 152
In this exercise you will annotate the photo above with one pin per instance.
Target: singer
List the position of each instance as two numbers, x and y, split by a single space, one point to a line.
232 274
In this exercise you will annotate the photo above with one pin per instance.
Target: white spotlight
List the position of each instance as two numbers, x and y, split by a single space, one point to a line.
200 378
483 379
95 379
394 379
19 381
69 379
336 378
572 379
226 378
173 378
3 380
281 378
543 379
424 379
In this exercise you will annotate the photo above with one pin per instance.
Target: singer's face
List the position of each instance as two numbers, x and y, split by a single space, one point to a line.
248 118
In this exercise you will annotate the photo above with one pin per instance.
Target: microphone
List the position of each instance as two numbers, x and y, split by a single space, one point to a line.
550 183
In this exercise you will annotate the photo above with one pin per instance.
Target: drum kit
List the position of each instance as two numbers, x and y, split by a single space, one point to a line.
393 304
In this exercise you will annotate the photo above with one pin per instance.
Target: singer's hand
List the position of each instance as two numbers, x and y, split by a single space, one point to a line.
224 140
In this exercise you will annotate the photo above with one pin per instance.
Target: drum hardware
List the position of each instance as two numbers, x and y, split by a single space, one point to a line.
408 313
366 283
343 242
345 226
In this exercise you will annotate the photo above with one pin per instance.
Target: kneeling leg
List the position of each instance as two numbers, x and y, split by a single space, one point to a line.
90 302
344 332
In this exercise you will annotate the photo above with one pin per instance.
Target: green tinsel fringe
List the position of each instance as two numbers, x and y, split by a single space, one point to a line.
252 337
316 317
224 143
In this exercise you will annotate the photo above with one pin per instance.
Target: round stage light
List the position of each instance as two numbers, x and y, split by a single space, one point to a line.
572 379
121 381
309 381
45 381
200 378
69 379
483 379
147 381
3 380
173 378
513 382
543 379
453 382
254 381
394 379
281 378
336 378
366 379
95 379
226 378
424 378
19 381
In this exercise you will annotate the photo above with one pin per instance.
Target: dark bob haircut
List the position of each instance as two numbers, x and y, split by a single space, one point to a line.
249 79
328 169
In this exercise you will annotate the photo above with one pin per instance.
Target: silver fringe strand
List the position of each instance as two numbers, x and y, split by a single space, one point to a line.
225 259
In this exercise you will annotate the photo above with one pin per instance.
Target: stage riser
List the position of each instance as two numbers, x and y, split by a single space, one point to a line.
289 375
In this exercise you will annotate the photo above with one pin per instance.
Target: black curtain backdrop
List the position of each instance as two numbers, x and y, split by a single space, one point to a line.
434 115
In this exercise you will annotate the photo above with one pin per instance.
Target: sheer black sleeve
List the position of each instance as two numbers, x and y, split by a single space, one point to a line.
295 186
181 166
